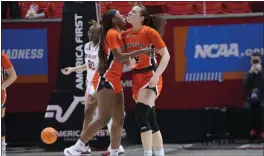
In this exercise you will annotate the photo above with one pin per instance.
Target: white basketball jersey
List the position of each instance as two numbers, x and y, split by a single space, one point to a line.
91 60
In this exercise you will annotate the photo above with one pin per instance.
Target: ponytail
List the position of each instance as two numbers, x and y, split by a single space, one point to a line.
101 54
106 24
157 21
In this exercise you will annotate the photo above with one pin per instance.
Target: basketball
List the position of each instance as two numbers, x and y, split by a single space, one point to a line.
49 135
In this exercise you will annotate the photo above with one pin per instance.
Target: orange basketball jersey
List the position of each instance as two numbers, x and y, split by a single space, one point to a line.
114 71
145 37
5 64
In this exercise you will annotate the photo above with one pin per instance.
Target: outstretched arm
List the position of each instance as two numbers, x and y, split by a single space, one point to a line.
69 70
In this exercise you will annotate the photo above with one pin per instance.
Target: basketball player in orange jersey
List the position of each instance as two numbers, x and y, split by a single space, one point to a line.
91 62
146 80
8 77
110 98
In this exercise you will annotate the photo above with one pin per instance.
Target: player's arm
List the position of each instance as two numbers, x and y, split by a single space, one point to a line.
113 42
69 70
159 44
165 58
79 68
11 73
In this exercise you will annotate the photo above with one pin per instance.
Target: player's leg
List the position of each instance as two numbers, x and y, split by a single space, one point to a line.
157 140
117 124
89 110
109 125
142 113
107 152
104 101
3 131
145 98
143 109
121 148
152 137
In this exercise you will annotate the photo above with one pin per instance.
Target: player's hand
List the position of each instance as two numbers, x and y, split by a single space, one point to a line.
258 67
149 50
132 63
153 81
66 71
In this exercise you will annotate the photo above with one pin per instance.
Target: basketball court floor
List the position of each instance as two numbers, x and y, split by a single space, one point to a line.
170 150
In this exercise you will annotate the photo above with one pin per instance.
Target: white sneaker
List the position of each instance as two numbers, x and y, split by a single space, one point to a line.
87 151
72 151
3 153
3 149
121 151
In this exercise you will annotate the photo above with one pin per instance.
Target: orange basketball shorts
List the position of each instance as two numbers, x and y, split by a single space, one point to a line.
141 81
110 83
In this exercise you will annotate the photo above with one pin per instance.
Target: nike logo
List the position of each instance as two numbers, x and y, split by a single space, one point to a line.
69 152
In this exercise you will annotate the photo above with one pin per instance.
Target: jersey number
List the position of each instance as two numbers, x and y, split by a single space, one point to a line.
91 65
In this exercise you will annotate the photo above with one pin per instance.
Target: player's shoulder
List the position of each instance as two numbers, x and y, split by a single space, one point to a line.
148 29
112 32
126 33
129 30
6 63
4 56
87 44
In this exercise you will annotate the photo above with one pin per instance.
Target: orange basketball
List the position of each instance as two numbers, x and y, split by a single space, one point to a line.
49 135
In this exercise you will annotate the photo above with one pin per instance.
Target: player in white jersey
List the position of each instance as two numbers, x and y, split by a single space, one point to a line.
91 63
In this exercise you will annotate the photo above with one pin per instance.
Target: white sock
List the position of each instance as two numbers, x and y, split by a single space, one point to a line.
148 153
159 152
3 147
114 152
79 145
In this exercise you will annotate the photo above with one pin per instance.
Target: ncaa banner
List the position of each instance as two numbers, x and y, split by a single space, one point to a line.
65 110
27 50
222 52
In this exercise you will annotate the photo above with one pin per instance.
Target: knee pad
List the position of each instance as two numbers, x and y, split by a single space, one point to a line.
3 127
142 113
153 120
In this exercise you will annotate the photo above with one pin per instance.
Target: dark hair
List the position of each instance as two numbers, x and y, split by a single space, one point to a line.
106 24
157 21
256 54
94 23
